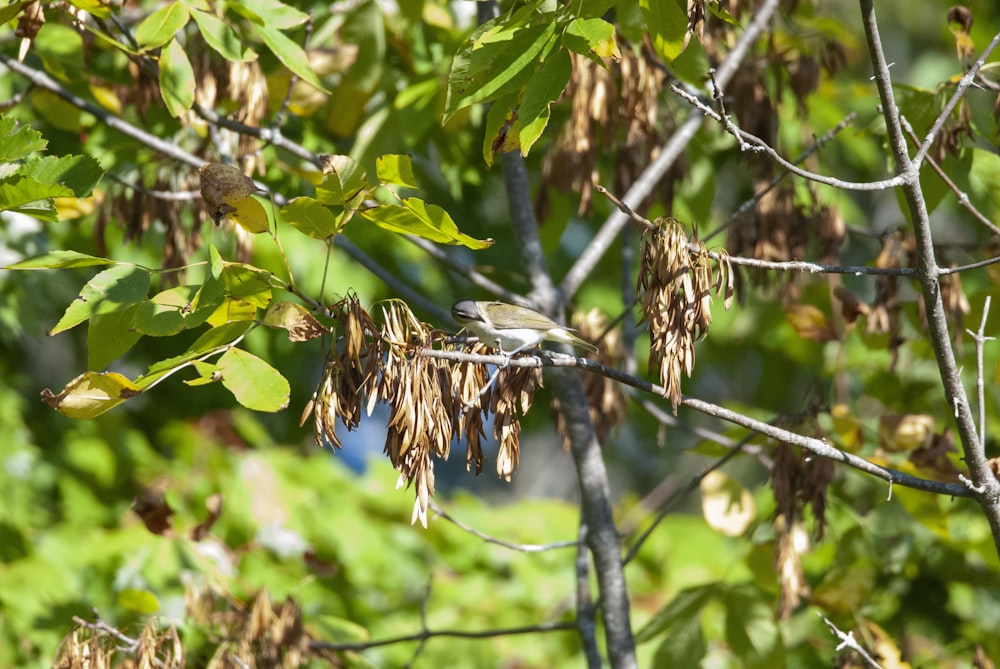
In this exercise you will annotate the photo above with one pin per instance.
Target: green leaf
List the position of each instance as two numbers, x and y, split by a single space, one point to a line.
363 26
60 48
502 127
91 394
93 7
542 89
18 141
687 604
984 178
395 169
499 61
345 178
142 602
114 289
255 384
160 27
28 195
415 217
213 340
311 217
60 260
289 53
171 311
8 12
176 79
667 23
78 173
683 646
751 631
220 36
592 37
271 12
109 336
247 283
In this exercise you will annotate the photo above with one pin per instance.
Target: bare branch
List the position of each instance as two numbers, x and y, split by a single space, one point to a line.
960 89
745 138
980 338
847 641
820 447
928 274
523 548
423 635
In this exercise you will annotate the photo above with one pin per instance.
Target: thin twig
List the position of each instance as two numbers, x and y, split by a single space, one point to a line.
523 548
929 278
960 89
765 148
560 626
980 338
847 640
826 138
963 198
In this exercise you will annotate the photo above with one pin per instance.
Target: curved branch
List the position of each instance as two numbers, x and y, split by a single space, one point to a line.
821 447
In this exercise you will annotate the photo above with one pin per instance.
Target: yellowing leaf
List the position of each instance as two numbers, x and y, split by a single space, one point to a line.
905 433
810 323
296 319
250 215
91 394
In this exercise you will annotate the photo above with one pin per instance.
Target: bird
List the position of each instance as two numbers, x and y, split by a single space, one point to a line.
511 328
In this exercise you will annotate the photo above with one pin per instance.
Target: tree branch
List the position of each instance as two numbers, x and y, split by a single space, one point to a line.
821 447
986 486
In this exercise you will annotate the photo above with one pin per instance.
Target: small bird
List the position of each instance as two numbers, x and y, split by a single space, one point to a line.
510 328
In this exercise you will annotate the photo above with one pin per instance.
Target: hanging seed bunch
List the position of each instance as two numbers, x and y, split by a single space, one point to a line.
430 400
675 289
478 399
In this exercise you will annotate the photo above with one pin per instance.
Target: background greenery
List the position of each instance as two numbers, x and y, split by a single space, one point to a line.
915 575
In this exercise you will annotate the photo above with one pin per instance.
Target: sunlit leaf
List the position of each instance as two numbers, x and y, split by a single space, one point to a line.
109 336
309 216
495 63
667 23
727 506
176 79
255 384
247 283
78 173
592 37
114 289
344 179
415 217
395 169
142 602
544 88
61 259
17 140
289 53
296 319
220 36
160 27
171 311
91 394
